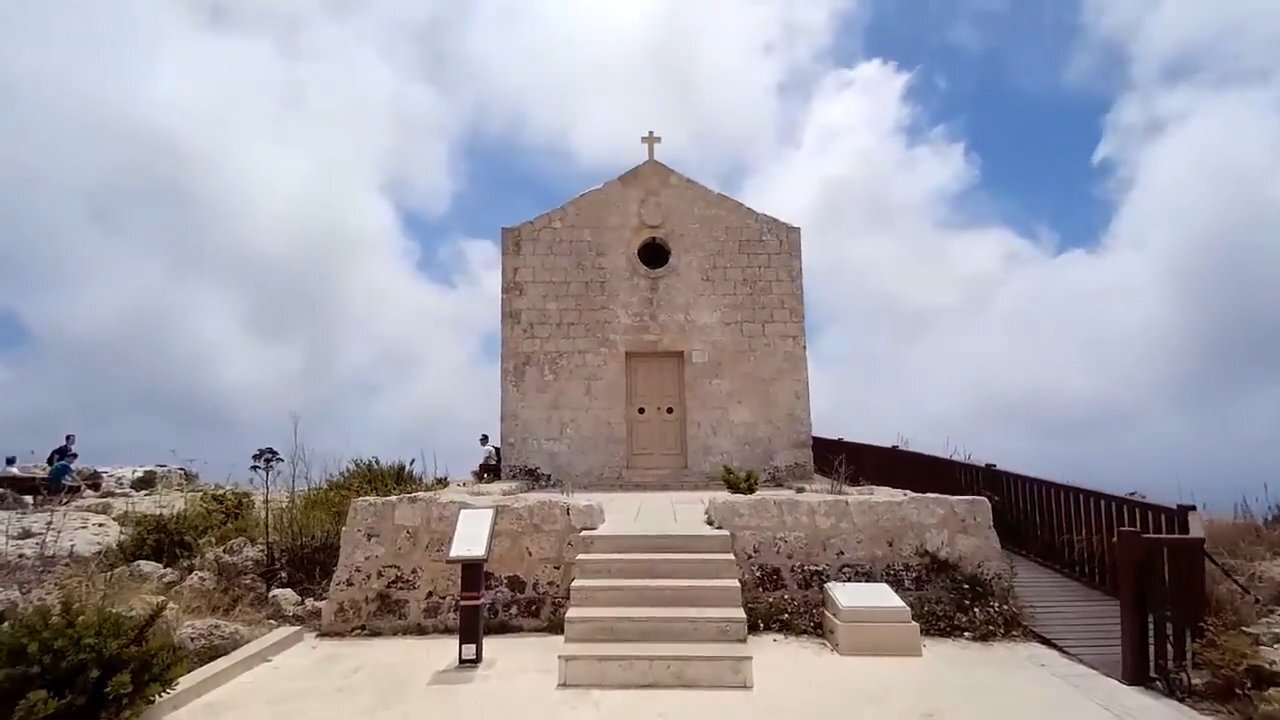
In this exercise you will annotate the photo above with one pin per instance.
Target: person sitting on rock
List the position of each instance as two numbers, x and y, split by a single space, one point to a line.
490 464
10 466
60 473
62 451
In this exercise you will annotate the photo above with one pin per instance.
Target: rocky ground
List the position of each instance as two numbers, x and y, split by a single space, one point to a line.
215 605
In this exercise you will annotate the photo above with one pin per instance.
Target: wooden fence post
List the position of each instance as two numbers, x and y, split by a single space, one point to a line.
1194 577
1135 647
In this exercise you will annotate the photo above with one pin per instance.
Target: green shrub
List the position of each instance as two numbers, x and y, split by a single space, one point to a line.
167 538
529 478
146 480
374 478
173 538
950 601
946 599
84 661
228 513
739 482
306 531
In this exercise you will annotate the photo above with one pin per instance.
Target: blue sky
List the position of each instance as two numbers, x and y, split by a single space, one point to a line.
12 333
1002 81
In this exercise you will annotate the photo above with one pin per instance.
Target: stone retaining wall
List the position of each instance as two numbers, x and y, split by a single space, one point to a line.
392 577
939 552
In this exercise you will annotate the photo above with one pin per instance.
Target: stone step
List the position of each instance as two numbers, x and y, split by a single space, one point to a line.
660 592
603 541
655 565
631 486
655 624
638 664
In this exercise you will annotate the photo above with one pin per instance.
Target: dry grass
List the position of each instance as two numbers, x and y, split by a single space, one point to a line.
1231 671
1248 546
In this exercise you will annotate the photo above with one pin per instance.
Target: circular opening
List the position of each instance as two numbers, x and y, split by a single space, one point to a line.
654 253
670 410
640 411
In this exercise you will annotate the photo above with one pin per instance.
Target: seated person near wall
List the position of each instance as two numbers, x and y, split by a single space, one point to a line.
490 468
60 473
10 466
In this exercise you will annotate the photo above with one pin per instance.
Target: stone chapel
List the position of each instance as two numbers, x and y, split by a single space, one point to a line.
653 331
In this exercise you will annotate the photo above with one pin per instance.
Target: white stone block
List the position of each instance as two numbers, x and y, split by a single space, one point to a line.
852 602
868 619
888 639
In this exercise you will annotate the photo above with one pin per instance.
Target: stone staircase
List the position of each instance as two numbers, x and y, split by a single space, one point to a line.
655 610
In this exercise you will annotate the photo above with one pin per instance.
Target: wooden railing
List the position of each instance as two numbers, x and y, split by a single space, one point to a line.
1148 556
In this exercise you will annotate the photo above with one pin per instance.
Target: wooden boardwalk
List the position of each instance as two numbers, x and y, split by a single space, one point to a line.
1073 617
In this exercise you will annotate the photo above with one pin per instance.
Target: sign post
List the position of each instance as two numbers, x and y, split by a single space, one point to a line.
470 549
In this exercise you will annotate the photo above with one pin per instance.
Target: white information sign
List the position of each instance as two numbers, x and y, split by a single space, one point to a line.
471 534
469 651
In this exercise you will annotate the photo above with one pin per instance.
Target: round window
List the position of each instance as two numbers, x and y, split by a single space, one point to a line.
654 253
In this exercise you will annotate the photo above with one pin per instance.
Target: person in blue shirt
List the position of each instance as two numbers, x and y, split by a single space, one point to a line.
60 473
62 451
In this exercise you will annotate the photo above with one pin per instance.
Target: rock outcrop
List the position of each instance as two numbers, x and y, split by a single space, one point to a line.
284 604
392 577
146 573
200 588
123 479
142 605
236 558
208 640
58 535
114 482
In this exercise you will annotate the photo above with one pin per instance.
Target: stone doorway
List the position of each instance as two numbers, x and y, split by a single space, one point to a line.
656 411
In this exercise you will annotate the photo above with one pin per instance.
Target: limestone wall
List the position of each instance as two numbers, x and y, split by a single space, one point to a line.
392 577
788 546
576 300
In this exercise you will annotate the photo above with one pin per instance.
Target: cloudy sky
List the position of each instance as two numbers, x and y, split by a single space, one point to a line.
1045 232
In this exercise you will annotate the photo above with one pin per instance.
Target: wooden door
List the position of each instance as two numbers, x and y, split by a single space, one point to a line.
655 411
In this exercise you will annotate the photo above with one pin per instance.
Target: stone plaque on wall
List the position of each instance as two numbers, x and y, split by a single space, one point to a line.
651 211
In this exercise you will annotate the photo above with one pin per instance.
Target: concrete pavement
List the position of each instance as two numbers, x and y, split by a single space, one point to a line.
395 678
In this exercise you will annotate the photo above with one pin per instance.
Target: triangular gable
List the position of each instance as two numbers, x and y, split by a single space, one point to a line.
646 166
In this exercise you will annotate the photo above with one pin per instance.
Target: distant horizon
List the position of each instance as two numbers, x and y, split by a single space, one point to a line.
1259 501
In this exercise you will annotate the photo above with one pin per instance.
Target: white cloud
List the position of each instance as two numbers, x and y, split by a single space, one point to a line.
200 219
200 199
1155 356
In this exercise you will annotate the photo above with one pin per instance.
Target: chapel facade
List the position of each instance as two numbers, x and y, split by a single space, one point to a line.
653 330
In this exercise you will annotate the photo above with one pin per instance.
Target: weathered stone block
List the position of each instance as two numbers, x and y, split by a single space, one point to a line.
878 527
789 546
392 577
